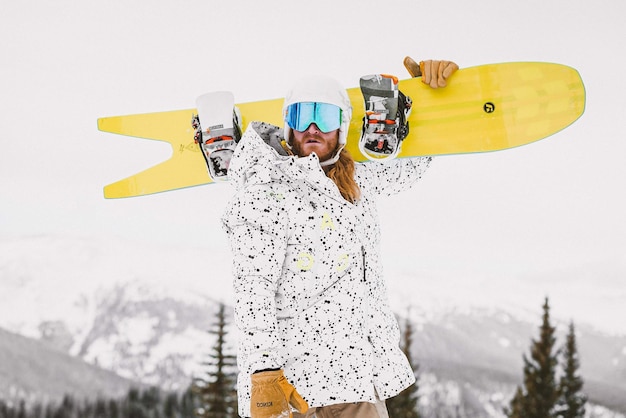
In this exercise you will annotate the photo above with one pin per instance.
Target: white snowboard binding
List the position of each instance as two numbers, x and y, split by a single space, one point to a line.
217 131
385 122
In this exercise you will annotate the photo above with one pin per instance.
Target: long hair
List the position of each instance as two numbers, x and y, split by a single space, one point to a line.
342 173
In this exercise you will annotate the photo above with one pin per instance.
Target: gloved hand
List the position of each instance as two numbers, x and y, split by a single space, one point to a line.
434 73
272 394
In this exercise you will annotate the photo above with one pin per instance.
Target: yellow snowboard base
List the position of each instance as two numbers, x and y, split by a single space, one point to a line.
484 108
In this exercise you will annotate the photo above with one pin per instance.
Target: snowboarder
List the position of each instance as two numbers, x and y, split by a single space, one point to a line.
316 328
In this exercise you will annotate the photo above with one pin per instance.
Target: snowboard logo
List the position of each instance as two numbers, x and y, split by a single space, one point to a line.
489 107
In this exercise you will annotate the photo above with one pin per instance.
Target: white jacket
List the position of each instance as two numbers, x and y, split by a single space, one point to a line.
310 296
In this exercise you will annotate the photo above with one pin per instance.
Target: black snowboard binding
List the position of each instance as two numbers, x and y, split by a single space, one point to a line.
385 122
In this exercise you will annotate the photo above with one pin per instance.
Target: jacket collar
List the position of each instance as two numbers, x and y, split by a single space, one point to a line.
309 170
256 162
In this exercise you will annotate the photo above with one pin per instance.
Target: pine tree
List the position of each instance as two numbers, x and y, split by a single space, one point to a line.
540 369
132 405
571 403
37 410
49 411
171 406
21 412
67 408
188 404
113 409
540 393
4 410
151 400
404 405
516 409
216 391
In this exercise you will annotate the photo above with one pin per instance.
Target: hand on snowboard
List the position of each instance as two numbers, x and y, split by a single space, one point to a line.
434 73
272 394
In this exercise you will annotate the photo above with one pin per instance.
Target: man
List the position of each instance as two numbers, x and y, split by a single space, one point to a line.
316 328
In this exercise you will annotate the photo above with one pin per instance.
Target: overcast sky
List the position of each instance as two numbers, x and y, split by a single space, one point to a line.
548 218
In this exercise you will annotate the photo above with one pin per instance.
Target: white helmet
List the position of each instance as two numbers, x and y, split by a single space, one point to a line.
321 89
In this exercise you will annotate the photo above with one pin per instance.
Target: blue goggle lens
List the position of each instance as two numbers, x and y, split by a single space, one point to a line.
326 116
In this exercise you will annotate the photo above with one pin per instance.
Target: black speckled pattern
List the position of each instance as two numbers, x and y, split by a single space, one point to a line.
303 302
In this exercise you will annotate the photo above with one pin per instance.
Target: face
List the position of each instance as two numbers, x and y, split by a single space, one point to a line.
303 143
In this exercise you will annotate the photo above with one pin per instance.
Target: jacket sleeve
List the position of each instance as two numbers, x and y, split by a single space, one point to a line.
391 177
256 226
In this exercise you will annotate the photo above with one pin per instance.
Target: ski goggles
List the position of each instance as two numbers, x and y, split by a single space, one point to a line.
299 116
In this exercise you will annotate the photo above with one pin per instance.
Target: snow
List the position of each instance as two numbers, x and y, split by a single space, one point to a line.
102 353
597 411
191 343
430 386
429 292
138 331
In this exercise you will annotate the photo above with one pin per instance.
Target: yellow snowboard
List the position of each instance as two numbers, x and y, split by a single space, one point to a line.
484 108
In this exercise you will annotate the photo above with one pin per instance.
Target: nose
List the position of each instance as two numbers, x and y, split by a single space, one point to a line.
313 128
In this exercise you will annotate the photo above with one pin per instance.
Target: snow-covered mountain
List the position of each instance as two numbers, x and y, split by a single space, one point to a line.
33 371
109 303
478 356
143 312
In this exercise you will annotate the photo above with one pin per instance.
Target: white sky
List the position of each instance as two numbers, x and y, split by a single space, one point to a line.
547 218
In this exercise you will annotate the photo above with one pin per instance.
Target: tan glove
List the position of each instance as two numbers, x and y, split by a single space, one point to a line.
434 73
272 394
